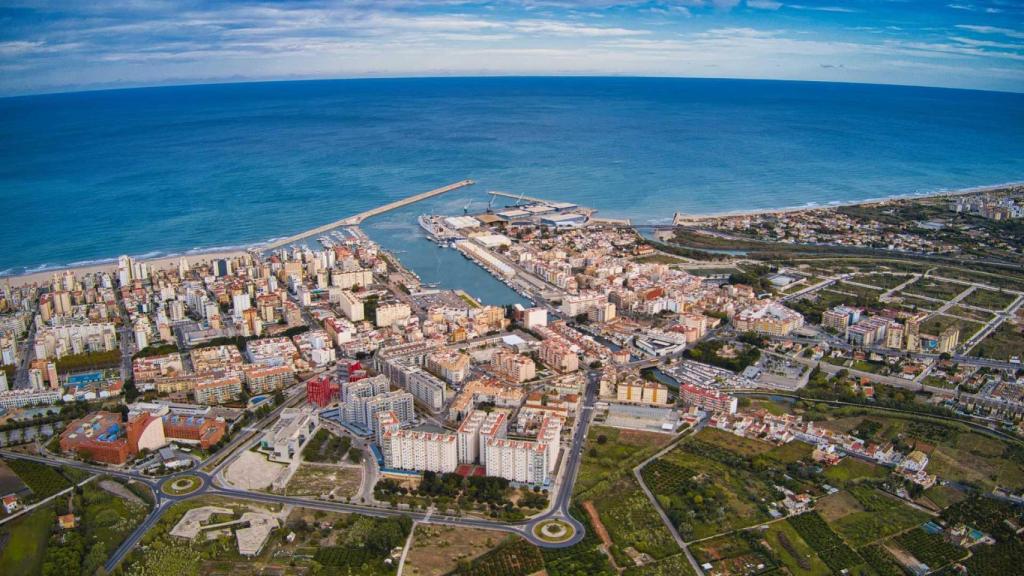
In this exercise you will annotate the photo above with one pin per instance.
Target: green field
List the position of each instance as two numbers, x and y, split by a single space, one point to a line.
23 553
883 516
799 558
611 452
632 521
851 470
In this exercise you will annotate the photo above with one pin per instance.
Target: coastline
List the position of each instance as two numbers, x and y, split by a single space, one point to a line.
204 255
159 262
680 217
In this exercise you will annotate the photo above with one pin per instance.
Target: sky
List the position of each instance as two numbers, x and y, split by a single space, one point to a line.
66 45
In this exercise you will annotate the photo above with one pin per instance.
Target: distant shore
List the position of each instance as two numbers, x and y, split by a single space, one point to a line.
43 276
867 202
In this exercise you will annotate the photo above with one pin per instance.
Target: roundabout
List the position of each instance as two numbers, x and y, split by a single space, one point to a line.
182 485
554 531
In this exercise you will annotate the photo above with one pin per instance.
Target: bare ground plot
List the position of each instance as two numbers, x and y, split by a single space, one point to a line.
838 505
437 550
330 482
1003 343
121 491
252 471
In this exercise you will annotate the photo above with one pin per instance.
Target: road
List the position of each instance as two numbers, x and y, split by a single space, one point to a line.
212 485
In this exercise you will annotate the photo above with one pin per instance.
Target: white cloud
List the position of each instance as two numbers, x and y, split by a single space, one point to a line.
764 4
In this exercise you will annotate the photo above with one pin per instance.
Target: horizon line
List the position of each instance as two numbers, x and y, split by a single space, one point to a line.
244 81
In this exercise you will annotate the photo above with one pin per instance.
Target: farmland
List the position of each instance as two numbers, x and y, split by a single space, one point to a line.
929 548
43 480
632 522
514 557
826 543
791 550
610 452
705 489
882 516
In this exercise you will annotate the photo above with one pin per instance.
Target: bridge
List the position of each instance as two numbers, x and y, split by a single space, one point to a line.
358 218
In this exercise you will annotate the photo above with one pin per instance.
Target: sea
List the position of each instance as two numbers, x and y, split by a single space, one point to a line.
85 177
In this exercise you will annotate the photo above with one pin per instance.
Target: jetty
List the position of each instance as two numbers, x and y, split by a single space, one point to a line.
358 218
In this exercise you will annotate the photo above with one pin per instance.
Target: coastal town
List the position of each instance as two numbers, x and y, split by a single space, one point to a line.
827 390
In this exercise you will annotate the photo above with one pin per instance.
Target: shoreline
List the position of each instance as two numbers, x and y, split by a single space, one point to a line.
214 253
680 217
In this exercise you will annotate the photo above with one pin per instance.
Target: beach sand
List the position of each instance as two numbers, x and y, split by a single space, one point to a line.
44 276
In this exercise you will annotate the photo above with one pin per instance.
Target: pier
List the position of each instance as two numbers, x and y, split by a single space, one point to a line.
358 218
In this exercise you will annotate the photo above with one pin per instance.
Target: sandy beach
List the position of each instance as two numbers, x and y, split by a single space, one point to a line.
681 218
44 276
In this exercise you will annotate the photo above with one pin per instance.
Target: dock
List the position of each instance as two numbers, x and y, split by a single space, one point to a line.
358 218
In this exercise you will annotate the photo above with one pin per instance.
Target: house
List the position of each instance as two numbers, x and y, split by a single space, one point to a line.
10 503
66 522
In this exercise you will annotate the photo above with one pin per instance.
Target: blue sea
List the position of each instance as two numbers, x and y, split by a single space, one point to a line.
88 176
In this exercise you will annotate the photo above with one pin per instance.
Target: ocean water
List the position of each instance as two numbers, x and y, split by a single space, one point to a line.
89 176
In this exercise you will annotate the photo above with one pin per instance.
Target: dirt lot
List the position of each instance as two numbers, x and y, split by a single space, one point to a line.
835 506
437 550
252 471
595 519
325 481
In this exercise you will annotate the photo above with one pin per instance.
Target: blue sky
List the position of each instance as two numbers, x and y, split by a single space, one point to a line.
77 44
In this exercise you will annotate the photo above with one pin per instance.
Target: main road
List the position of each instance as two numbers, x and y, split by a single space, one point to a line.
211 485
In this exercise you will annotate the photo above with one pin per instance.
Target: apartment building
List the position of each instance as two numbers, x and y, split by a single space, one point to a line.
218 390
707 398
424 451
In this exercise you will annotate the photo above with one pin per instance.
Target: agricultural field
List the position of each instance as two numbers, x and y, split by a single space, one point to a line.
611 452
826 543
105 519
514 557
676 565
850 470
706 489
43 480
882 516
736 554
26 539
792 552
438 550
931 549
632 522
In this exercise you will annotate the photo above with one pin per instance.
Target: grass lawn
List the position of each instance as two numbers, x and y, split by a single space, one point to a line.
438 550
851 469
1002 343
793 552
23 553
